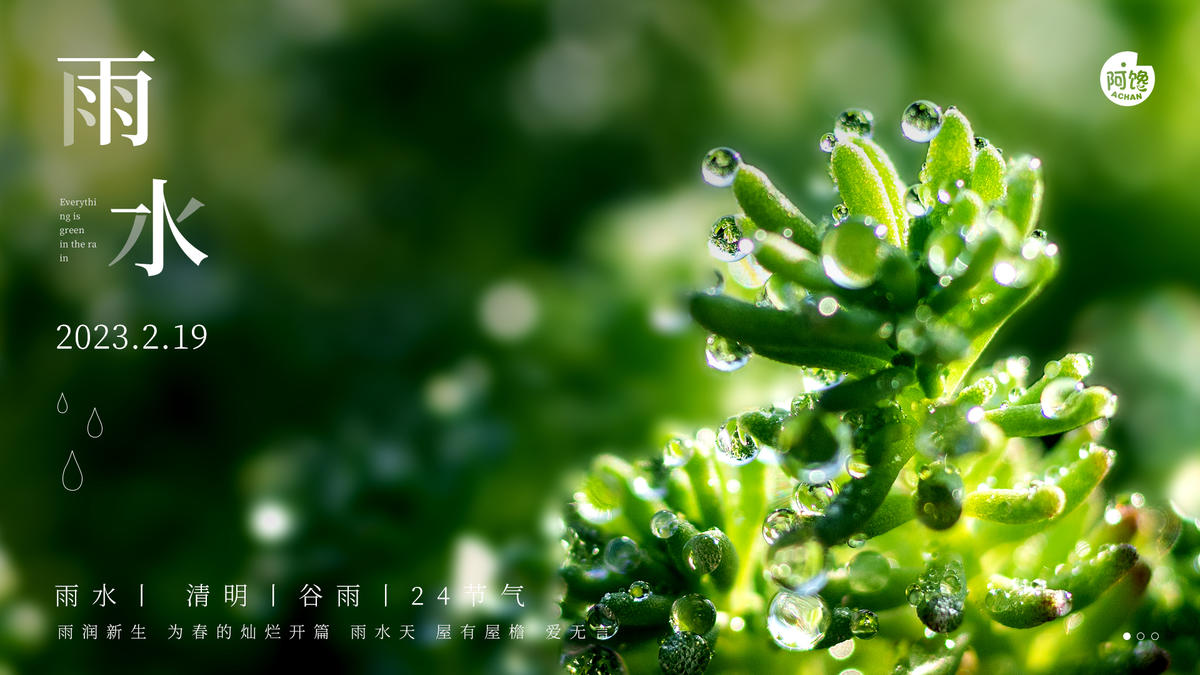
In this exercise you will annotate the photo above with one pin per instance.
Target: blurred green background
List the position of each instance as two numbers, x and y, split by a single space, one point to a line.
447 241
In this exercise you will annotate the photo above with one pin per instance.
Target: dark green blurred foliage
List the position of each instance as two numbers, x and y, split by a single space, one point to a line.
371 170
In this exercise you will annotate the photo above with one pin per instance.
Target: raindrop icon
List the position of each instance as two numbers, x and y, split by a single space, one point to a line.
94 426
62 404
72 475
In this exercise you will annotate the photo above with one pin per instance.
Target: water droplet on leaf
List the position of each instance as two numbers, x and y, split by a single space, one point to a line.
601 621
828 141
799 564
864 625
921 121
850 254
622 554
727 242
734 446
693 613
726 355
663 524
720 166
639 590
854 122
797 622
702 552
1057 395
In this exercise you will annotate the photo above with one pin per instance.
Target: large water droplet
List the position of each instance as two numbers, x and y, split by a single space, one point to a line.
720 166
1057 395
726 241
734 446
94 426
72 474
684 653
914 203
854 122
939 496
62 404
827 142
725 355
850 254
663 524
921 121
868 572
797 622
677 452
602 621
693 613
799 564
703 552
857 465
864 625
812 500
779 523
621 555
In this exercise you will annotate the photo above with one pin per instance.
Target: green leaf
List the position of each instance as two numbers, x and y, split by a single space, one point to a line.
770 209
1018 603
1029 420
988 177
849 335
1089 578
863 190
1015 507
892 185
951 152
1024 200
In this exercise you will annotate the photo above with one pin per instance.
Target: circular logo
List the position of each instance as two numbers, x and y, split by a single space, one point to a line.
1124 82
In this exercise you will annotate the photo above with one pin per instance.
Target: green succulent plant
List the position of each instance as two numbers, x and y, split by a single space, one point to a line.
908 509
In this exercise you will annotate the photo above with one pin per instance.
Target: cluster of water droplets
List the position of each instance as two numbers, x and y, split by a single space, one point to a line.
939 594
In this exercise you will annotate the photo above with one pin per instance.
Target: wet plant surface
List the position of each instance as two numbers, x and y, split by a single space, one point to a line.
909 507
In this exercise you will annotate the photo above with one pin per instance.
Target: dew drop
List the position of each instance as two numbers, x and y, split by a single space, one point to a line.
727 241
868 572
72 474
921 121
1057 395
724 354
857 540
720 166
693 613
677 452
797 622
812 500
62 404
779 523
850 254
734 446
799 564
640 590
864 625
942 251
94 426
601 621
840 213
854 122
702 552
663 524
913 203
827 142
621 555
